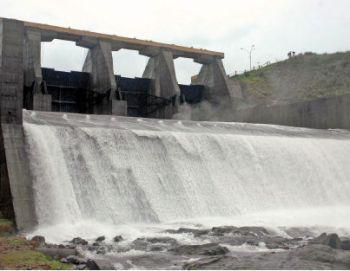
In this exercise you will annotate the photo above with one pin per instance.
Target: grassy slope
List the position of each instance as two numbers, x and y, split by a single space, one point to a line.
18 253
305 77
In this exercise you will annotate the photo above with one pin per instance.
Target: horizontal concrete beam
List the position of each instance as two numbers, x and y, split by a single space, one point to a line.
84 38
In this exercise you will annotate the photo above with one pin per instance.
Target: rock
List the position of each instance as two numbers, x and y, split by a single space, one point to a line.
345 245
56 252
199 264
79 241
64 260
101 250
92 265
100 239
195 232
253 243
331 240
81 267
75 260
154 244
316 253
206 249
104 264
245 231
118 239
311 257
38 240
296 232
257 231
223 230
278 242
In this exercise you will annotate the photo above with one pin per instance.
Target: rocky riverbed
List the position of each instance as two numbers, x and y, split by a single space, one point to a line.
225 247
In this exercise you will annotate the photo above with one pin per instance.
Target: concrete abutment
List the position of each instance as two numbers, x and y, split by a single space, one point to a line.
15 163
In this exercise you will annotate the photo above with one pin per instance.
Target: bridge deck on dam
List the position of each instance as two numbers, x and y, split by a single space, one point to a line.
51 32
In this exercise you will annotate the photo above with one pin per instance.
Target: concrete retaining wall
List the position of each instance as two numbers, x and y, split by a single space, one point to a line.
322 113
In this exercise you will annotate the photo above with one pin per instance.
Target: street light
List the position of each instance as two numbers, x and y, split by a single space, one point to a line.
252 48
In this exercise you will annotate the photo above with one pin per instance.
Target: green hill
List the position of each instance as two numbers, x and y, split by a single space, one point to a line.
304 77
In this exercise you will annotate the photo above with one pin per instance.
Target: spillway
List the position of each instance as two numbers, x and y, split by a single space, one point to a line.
119 171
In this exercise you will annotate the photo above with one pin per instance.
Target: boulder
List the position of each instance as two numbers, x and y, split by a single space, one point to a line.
101 250
79 241
244 231
75 260
199 264
331 240
154 244
38 240
257 231
103 264
345 244
209 249
81 267
195 232
223 230
92 265
64 260
118 239
100 239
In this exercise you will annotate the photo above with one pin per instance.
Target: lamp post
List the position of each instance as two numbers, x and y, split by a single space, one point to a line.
252 48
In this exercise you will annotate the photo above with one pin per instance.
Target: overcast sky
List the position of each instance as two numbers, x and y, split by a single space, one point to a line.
274 26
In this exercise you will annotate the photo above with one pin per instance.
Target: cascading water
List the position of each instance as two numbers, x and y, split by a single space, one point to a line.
120 171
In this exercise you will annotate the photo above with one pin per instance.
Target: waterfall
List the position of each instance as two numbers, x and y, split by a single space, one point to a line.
119 170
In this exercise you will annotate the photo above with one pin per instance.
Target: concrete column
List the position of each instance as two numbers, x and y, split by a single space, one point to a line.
220 90
14 169
32 71
32 59
11 65
99 63
161 70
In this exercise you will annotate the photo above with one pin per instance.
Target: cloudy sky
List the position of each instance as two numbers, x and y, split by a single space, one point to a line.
273 26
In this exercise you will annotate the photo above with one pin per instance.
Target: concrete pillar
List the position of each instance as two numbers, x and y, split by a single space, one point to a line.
220 91
32 59
161 70
99 63
14 169
32 71
11 65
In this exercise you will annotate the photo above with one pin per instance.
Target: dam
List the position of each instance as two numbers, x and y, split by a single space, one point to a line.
93 148
94 90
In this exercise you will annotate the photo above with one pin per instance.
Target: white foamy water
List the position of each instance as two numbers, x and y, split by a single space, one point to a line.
96 175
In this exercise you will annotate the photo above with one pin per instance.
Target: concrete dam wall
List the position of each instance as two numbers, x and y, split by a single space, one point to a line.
325 113
95 90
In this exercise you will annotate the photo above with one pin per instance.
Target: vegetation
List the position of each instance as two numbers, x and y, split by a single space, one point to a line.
6 227
303 77
29 259
18 253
